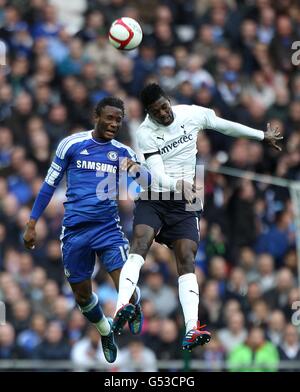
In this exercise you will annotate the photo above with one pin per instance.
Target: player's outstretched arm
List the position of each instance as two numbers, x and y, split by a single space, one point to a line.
53 178
230 128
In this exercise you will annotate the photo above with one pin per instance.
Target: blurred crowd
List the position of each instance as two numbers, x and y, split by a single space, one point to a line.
229 55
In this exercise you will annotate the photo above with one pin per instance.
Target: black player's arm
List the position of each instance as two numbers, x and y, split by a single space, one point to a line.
230 128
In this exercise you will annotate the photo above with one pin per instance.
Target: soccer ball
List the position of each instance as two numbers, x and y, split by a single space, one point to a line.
125 34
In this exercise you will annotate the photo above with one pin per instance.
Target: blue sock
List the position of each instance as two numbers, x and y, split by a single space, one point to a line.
92 309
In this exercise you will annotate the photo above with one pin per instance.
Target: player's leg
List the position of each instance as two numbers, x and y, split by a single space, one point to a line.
79 262
146 224
143 236
113 252
88 303
182 233
136 321
115 275
185 252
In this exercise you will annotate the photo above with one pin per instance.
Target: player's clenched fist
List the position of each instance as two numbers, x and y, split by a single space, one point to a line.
29 235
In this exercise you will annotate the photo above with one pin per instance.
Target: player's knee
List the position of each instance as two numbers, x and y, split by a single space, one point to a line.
81 297
186 264
140 247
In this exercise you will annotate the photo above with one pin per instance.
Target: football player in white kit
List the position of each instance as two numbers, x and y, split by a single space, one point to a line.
167 138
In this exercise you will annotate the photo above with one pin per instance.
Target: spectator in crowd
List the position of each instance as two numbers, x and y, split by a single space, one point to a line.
276 326
169 340
76 326
151 337
8 347
265 266
53 346
30 338
21 313
88 350
210 304
213 355
160 294
289 348
137 358
259 314
278 296
234 333
237 285
256 354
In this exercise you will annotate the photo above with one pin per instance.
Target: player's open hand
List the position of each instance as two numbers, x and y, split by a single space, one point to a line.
29 236
272 135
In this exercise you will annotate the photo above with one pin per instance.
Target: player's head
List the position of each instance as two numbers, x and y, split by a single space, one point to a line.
109 114
157 104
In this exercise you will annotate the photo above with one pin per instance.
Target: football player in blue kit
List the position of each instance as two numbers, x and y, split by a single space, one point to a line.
94 164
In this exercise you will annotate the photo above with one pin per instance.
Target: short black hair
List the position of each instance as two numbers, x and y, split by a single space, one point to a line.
151 93
109 101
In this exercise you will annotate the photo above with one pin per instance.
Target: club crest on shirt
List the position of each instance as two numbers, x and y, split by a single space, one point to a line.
112 155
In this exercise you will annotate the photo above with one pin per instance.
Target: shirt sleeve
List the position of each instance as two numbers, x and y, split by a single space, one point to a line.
207 119
55 174
158 175
42 200
233 129
129 153
204 117
146 142
58 165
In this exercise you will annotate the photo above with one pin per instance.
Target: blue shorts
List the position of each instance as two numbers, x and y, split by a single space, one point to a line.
80 245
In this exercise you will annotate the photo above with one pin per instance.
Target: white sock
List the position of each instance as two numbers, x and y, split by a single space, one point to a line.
128 279
189 299
103 326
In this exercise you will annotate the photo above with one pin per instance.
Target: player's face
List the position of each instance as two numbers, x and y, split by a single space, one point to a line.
161 111
109 122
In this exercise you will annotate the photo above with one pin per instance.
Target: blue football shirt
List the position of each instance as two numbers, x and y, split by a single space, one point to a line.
92 177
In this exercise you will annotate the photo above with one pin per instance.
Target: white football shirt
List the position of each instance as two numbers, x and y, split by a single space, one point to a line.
177 142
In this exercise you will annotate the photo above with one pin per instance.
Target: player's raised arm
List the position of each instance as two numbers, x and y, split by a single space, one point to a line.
53 177
230 128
